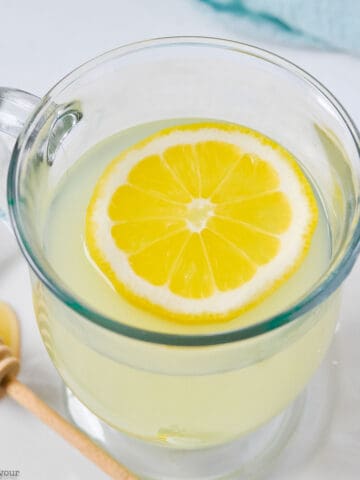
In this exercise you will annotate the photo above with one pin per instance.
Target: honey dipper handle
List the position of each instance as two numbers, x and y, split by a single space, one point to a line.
26 398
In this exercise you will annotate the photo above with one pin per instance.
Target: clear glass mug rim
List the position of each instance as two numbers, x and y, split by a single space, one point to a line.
329 282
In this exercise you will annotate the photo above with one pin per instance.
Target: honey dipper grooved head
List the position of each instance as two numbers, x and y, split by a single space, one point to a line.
9 366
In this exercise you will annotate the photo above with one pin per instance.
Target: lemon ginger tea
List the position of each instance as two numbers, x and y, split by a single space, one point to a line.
189 208
187 227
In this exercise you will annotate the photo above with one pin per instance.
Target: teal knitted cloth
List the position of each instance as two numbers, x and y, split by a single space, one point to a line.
334 23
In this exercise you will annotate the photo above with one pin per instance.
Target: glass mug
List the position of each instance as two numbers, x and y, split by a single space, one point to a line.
172 405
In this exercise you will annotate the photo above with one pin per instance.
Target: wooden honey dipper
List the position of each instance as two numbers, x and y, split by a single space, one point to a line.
9 368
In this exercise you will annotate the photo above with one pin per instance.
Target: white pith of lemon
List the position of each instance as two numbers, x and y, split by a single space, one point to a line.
200 222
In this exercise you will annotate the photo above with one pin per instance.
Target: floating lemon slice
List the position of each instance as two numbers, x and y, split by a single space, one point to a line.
200 222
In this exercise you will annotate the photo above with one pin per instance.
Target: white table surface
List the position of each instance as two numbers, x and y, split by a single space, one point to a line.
40 41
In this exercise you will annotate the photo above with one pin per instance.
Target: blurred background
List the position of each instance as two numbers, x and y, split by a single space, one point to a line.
40 41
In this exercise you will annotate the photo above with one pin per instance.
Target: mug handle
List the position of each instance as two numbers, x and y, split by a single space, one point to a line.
15 108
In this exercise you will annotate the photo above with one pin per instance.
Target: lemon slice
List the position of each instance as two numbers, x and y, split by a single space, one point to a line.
9 328
200 222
